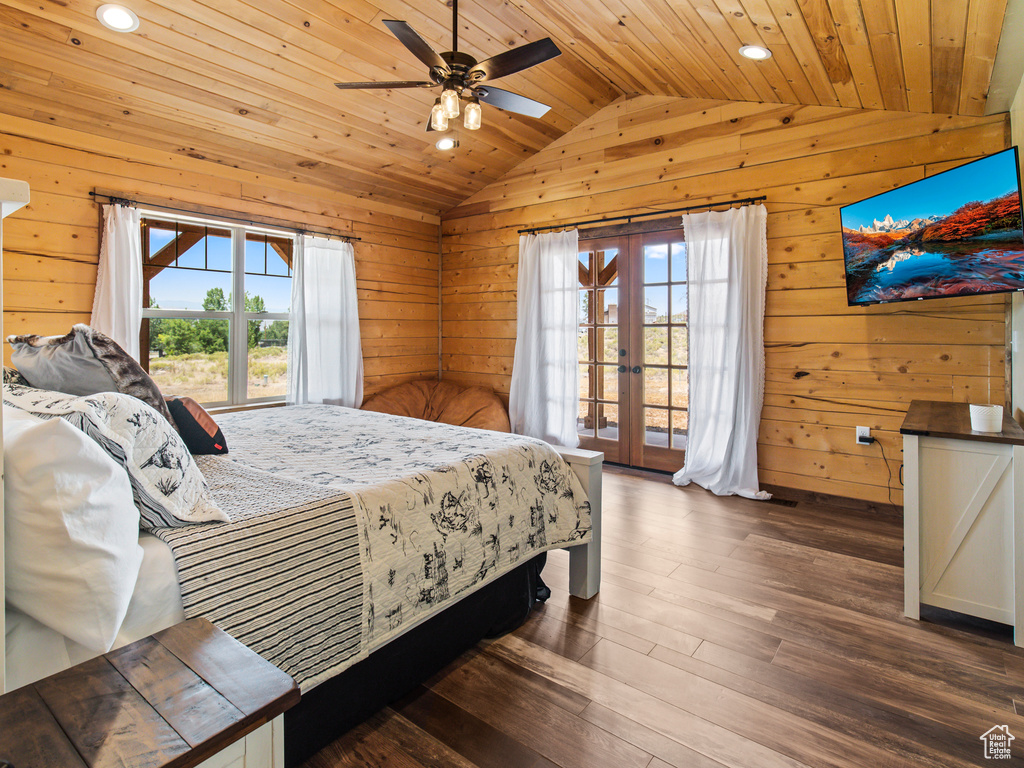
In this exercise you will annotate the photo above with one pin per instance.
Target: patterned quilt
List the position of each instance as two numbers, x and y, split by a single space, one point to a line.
430 511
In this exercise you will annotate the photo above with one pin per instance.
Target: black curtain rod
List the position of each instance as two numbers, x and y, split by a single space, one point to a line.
126 201
630 217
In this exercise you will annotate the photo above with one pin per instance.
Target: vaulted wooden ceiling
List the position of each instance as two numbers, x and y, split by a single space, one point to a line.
250 84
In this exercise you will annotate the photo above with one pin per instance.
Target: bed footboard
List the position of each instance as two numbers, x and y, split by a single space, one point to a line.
585 559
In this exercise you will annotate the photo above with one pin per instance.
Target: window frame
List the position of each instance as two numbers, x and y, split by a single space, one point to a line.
238 319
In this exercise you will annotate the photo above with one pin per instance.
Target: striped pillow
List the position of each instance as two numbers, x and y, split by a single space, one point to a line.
168 487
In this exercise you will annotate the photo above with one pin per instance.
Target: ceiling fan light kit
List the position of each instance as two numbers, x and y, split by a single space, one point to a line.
438 118
450 102
462 76
473 114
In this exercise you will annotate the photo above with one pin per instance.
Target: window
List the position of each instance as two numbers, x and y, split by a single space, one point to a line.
215 303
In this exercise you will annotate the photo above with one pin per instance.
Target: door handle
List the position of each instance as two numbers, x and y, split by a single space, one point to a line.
637 369
622 353
623 369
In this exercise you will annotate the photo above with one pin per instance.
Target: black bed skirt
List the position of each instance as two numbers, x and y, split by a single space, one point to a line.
333 707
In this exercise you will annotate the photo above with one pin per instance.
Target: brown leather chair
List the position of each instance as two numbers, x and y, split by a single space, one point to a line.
444 402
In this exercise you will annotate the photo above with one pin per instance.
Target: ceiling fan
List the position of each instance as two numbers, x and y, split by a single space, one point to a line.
462 76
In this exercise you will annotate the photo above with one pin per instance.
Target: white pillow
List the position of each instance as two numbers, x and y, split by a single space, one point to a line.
72 530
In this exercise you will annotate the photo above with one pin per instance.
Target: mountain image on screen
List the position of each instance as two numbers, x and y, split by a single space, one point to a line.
954 234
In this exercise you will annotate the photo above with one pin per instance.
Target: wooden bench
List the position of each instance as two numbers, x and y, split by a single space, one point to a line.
190 695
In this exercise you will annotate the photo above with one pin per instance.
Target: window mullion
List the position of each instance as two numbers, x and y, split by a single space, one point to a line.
239 357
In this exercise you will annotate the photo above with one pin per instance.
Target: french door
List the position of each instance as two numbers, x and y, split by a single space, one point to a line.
634 383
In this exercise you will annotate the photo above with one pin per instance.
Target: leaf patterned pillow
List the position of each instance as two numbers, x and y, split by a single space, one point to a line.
168 487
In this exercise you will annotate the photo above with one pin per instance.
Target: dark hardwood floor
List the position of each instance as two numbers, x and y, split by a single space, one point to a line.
727 632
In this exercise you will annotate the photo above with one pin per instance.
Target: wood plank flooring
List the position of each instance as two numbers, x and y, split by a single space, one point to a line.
727 632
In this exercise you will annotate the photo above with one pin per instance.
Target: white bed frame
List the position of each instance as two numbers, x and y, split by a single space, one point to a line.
585 559
13 195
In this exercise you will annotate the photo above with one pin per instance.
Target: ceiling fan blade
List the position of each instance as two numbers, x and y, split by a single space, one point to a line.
516 60
391 84
510 102
420 48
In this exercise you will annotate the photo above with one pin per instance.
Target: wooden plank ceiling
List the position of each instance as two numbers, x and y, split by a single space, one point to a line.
250 84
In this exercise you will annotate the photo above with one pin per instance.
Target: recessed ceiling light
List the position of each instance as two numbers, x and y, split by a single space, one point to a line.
117 18
446 142
755 52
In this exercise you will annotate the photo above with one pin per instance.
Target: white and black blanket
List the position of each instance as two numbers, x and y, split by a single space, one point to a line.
350 527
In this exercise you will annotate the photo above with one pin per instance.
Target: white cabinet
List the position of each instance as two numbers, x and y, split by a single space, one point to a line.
263 748
963 515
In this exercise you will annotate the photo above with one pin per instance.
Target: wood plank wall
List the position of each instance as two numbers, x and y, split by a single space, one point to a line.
829 367
51 246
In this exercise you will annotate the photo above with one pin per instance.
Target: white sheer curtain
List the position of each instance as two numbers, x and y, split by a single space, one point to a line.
325 359
544 394
727 255
117 305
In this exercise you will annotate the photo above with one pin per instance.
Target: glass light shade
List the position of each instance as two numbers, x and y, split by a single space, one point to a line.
755 52
450 102
438 119
473 116
117 18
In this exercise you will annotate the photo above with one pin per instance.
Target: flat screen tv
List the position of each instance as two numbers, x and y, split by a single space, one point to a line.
957 233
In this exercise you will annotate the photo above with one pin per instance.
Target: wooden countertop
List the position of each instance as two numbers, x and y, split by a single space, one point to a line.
953 420
168 701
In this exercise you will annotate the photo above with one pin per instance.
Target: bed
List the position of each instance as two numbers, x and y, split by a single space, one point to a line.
364 552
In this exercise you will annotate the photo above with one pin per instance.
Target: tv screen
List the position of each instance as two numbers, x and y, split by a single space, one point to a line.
956 233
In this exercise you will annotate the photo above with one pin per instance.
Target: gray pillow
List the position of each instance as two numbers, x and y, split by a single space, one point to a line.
84 362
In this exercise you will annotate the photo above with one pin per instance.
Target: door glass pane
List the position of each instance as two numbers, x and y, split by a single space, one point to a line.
655 304
586 307
678 262
680 388
608 383
608 344
679 303
584 344
268 359
608 305
585 419
656 346
585 258
607 267
608 422
189 357
656 386
679 348
680 423
656 427
586 382
656 263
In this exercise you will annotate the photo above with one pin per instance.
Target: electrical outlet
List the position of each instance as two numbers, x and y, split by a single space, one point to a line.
863 432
